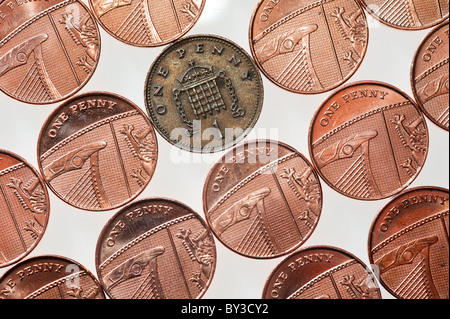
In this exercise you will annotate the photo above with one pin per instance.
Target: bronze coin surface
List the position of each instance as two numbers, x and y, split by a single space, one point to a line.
49 277
408 244
156 248
429 76
147 23
24 208
308 46
204 93
321 272
48 49
97 151
408 14
368 140
262 199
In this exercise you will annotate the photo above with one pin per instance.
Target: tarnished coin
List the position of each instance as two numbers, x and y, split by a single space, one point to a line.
156 248
308 46
262 199
368 140
147 23
429 76
97 151
321 272
408 244
408 14
48 49
49 277
204 93
24 208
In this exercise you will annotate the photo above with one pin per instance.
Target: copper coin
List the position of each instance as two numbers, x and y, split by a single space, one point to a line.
429 76
24 208
204 93
147 23
368 140
308 46
49 277
408 14
321 272
408 244
48 49
97 151
156 248
262 199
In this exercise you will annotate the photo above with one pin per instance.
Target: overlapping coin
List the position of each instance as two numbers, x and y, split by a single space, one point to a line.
429 76
48 49
156 248
97 151
321 272
308 46
368 140
24 208
49 277
204 93
147 23
408 14
408 244
262 199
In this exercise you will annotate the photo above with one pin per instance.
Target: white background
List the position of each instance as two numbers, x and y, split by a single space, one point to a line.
122 70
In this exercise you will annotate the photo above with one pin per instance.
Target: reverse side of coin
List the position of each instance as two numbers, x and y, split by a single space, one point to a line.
97 151
368 140
24 208
147 23
156 248
321 272
263 199
308 46
408 14
204 93
429 76
48 49
408 244
49 277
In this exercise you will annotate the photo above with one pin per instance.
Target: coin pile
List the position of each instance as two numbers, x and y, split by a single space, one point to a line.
116 163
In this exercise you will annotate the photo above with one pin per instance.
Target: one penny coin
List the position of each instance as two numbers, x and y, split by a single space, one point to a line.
48 49
262 199
429 76
308 46
156 248
368 140
408 14
24 208
49 277
408 244
147 23
204 93
97 151
321 272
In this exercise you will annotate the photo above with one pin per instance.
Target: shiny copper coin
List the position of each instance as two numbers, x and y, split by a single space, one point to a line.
429 76
24 208
308 46
368 140
147 23
156 248
97 151
408 14
48 49
49 277
321 272
263 199
204 93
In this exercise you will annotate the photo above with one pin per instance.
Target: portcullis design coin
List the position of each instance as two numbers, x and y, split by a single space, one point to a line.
156 248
